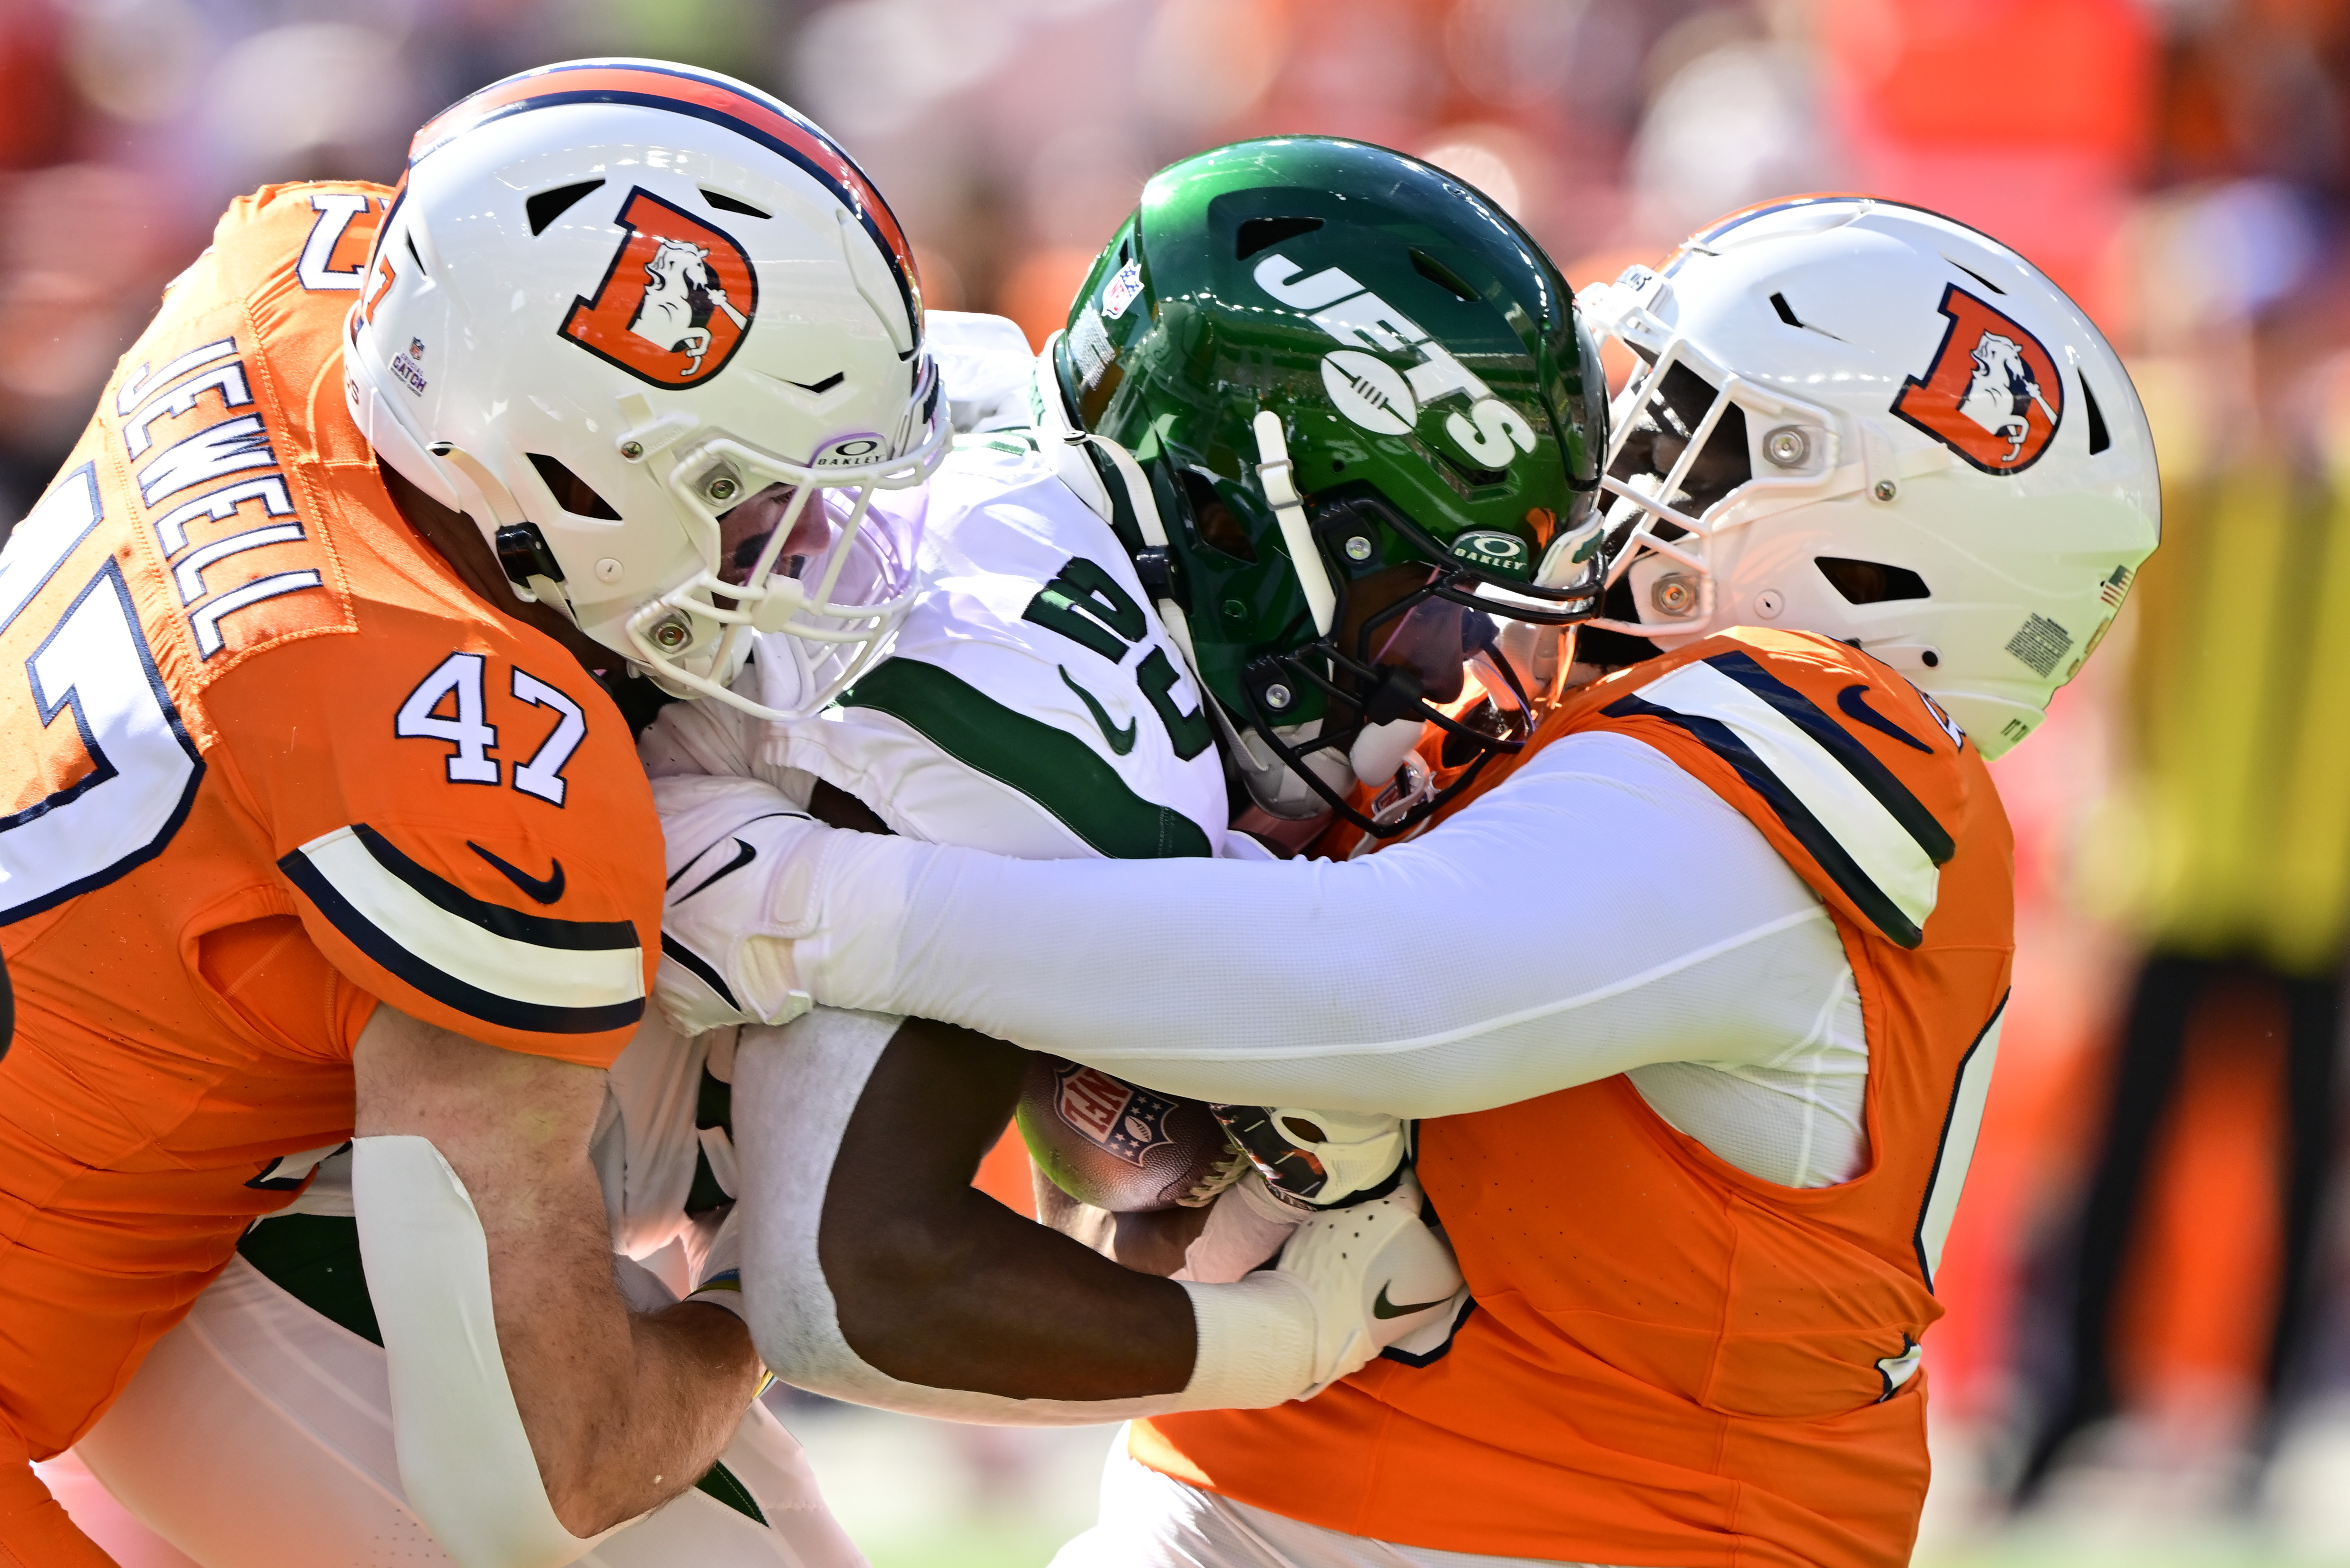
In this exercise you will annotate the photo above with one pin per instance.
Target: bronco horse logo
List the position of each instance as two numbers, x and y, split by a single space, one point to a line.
1992 393
676 301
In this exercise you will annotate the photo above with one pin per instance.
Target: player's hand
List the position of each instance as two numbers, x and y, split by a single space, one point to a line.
1378 1274
741 863
1319 1159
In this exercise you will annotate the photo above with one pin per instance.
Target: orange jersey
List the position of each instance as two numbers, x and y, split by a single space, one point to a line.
1670 1361
266 760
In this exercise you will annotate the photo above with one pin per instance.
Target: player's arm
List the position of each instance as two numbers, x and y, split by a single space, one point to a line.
459 822
622 1410
1601 912
873 1271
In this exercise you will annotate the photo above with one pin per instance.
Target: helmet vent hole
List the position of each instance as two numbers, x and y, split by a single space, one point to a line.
1870 582
1214 521
549 205
1263 233
2099 438
1474 477
726 203
1786 311
571 492
407 238
1974 275
1442 276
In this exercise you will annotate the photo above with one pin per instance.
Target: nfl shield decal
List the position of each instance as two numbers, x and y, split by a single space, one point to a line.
1122 1120
676 301
1992 393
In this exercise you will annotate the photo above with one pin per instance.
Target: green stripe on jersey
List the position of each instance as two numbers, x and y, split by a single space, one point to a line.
1048 764
721 1484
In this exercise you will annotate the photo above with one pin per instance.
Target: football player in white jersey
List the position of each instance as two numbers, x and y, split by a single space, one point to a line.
1853 418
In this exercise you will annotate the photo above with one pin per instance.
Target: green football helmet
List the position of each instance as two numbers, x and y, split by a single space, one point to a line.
1370 421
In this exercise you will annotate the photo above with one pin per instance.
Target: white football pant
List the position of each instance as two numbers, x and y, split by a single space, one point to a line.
258 1435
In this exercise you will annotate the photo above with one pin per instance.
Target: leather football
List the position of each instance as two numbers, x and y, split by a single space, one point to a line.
1119 1146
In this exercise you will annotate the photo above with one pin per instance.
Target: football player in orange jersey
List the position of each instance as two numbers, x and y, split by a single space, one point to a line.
322 820
1696 998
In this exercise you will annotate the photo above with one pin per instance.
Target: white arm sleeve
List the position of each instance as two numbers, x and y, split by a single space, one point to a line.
1600 911
464 1460
795 1088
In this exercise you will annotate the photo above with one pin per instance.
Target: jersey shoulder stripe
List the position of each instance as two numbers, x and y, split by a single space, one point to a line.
1867 831
1052 767
504 966
1840 743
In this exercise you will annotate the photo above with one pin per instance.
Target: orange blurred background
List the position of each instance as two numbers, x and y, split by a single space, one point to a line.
2178 165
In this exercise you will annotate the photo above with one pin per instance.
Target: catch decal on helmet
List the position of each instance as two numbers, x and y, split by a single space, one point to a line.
1991 395
676 302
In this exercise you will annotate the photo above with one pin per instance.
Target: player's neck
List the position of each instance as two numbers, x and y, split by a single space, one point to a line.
452 536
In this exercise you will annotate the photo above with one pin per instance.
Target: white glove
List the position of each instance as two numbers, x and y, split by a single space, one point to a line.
741 865
1378 1274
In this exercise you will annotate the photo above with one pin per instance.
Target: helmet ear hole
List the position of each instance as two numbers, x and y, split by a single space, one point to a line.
1212 519
1870 582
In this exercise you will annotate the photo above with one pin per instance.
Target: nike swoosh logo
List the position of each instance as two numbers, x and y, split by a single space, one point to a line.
544 891
1854 701
1385 1308
743 856
1120 742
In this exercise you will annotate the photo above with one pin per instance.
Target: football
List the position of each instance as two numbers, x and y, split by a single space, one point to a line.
1119 1146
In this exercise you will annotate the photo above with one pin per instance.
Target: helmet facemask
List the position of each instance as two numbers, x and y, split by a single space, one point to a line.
1404 641
1680 468
813 563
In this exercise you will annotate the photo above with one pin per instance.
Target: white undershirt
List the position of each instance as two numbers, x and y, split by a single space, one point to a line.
1601 912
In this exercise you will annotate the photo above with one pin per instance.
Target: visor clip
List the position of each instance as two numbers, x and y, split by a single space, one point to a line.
1156 567
523 554
1399 695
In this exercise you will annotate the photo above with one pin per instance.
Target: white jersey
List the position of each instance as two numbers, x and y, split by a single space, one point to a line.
1031 703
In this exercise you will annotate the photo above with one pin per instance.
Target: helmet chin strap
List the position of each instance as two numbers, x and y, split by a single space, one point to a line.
505 512
1273 472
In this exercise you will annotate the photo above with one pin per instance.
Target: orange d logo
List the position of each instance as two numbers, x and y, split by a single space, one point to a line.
675 302
1992 393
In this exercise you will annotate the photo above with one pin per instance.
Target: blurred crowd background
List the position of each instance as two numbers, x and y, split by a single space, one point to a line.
2147 1353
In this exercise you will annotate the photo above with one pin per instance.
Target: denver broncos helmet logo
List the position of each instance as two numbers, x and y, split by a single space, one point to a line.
676 301
1992 393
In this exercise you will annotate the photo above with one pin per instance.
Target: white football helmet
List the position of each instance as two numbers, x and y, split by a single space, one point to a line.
660 338
1858 417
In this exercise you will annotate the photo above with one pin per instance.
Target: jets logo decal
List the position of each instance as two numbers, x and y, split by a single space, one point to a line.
1992 393
676 301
